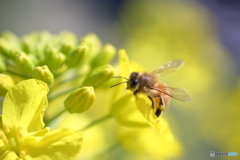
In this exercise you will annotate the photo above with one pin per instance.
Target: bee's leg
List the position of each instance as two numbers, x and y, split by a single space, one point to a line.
151 101
136 93
161 104
157 104
158 112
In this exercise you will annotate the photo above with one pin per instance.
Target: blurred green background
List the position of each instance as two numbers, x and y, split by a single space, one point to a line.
205 34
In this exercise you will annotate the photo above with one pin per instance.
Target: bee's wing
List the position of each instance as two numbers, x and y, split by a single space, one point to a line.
169 67
177 93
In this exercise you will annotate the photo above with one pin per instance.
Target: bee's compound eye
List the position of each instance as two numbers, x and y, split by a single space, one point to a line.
134 83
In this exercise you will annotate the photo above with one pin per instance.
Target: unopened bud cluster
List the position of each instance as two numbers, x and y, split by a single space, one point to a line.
57 58
57 52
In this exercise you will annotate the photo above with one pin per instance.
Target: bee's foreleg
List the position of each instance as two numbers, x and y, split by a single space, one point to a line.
135 93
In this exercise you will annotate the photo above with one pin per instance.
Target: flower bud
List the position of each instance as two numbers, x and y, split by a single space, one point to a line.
105 55
53 58
5 48
44 74
11 38
27 46
24 63
3 66
66 36
66 48
80 100
77 56
6 83
93 42
99 76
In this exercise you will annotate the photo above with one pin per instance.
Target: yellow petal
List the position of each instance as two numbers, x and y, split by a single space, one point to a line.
42 132
147 141
7 155
145 108
126 113
60 144
124 63
24 105
1 124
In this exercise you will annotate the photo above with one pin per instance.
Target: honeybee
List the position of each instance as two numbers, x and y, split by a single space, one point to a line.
158 93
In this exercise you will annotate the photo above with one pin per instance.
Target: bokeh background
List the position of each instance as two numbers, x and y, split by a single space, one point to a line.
206 34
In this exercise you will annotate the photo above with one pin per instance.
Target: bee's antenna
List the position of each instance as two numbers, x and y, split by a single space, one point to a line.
118 83
120 77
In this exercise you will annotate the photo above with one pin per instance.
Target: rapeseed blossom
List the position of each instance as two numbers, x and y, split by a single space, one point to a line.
177 29
77 74
136 116
23 132
142 103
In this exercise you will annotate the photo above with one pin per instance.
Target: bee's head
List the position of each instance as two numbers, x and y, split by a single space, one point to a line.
133 83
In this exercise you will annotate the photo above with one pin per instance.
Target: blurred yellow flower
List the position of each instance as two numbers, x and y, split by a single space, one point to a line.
143 104
66 66
148 142
135 116
168 30
22 132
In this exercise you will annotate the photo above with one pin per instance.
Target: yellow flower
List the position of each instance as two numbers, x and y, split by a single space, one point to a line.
148 142
209 74
22 132
136 116
122 107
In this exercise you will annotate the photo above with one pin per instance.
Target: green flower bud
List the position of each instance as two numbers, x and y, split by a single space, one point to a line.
77 56
44 74
105 55
10 37
6 83
53 58
5 48
33 45
3 66
24 63
93 42
68 37
99 76
28 46
80 100
66 48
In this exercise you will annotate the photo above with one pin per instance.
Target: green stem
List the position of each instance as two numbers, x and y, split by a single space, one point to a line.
51 98
106 151
55 117
17 74
58 84
96 122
